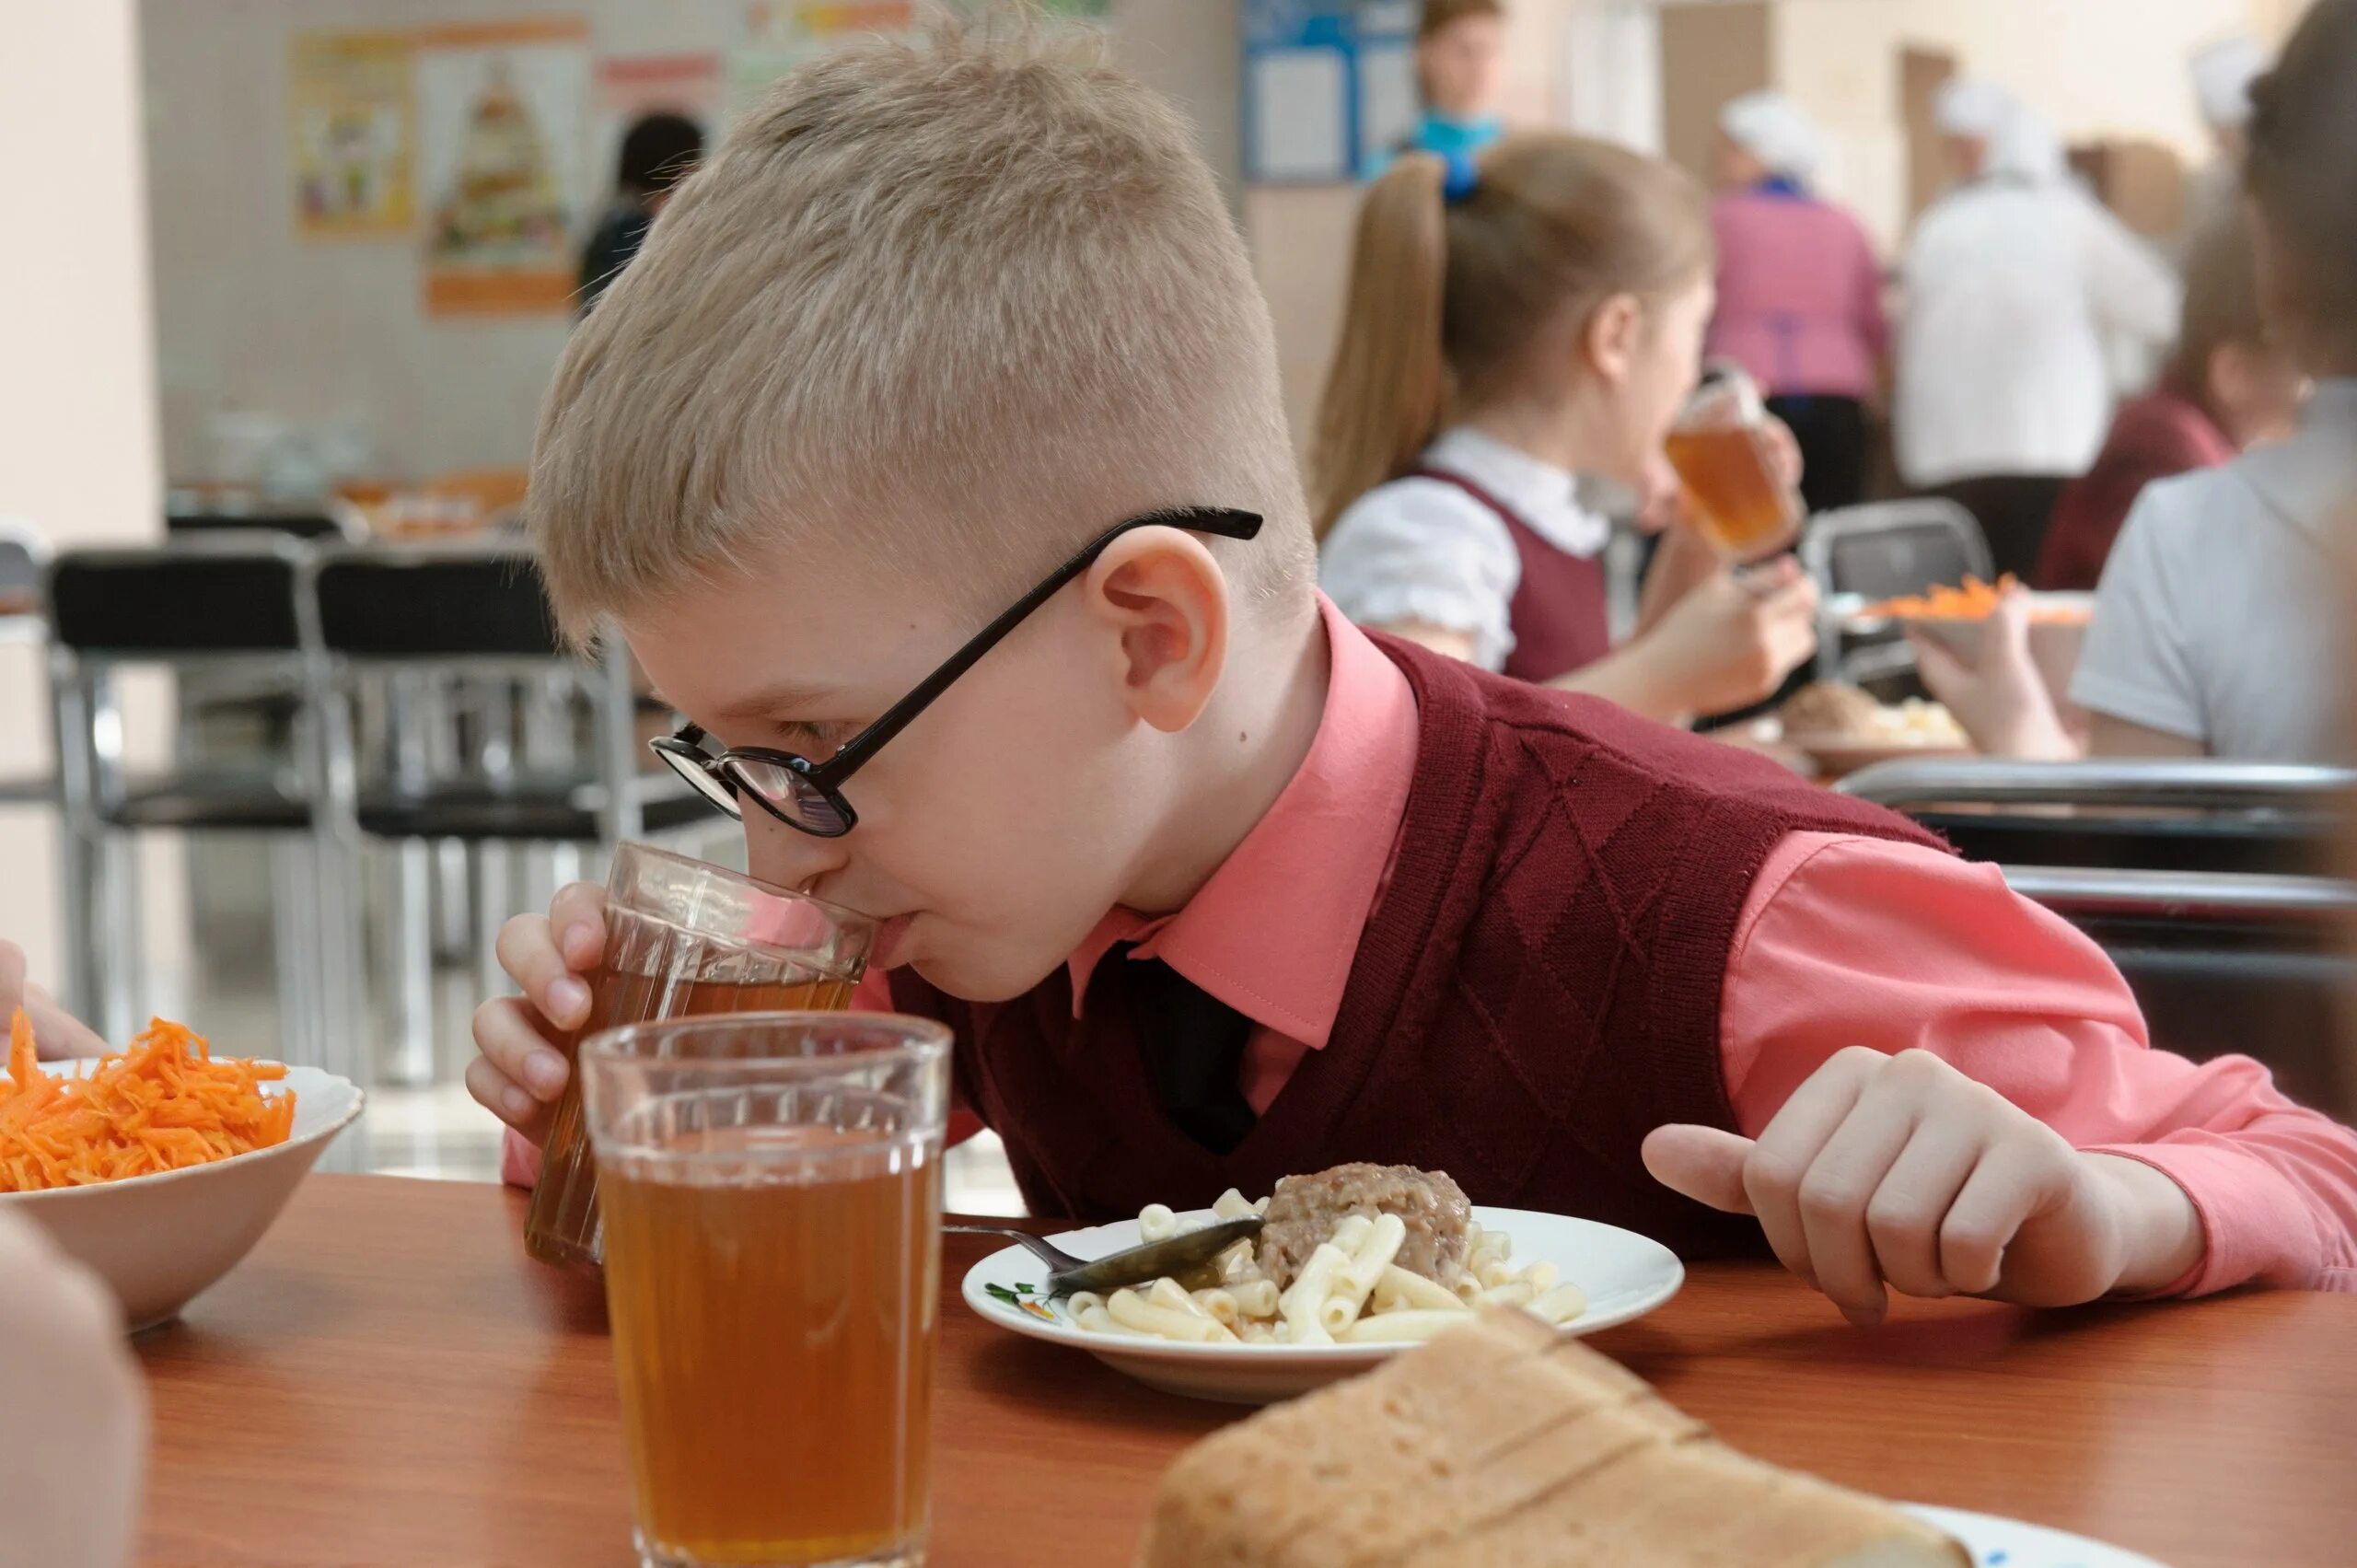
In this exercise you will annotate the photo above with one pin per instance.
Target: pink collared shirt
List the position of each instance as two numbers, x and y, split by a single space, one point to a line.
1842 941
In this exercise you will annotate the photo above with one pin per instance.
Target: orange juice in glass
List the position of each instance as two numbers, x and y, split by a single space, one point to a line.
772 1202
1720 451
684 939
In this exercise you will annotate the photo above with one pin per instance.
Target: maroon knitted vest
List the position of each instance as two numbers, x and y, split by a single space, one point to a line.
1537 990
1561 614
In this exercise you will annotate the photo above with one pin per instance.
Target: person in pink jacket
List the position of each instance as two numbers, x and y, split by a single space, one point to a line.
1800 292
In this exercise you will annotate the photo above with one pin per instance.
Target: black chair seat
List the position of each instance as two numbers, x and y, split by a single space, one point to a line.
2257 844
256 807
2268 990
484 816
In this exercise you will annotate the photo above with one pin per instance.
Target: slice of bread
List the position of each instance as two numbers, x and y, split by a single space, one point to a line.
1502 1445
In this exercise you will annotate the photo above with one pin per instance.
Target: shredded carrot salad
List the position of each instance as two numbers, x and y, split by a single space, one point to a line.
162 1105
1975 600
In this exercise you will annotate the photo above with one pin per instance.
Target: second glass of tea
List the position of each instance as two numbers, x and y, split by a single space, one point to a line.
1721 451
685 939
772 1192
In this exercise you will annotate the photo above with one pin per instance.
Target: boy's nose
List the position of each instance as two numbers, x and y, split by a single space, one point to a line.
775 852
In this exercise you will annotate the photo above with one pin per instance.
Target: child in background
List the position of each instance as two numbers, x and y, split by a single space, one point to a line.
1212 886
1547 302
1460 59
2219 626
2228 386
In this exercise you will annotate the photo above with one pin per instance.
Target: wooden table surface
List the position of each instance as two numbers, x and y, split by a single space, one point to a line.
388 1380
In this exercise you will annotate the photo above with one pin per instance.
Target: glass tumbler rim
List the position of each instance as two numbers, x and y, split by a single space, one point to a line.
842 914
922 1040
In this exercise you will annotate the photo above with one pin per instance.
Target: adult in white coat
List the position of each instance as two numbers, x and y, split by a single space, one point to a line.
2017 283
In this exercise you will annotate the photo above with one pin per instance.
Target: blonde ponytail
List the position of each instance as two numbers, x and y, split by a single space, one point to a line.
1385 394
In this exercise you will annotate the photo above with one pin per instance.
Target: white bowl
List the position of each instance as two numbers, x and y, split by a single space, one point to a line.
159 1241
1624 1275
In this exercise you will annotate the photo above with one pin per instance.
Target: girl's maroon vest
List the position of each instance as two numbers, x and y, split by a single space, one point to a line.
1561 614
1537 990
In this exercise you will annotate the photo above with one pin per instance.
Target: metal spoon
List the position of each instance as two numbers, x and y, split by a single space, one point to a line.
1135 1265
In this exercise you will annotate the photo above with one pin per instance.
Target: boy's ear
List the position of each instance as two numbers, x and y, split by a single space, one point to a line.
1164 598
1609 341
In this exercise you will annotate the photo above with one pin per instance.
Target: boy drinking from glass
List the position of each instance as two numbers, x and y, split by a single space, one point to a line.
931 458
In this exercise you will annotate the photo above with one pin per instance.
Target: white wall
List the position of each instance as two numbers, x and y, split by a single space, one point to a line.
2099 68
252 318
77 432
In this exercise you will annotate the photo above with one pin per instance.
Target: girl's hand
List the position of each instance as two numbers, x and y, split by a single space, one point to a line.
56 1032
521 1070
1998 696
1731 641
74 1438
1900 1173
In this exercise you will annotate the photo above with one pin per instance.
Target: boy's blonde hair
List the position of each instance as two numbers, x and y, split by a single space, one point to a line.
954 305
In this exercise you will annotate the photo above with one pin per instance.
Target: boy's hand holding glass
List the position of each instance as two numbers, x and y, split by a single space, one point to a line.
1900 1173
521 1073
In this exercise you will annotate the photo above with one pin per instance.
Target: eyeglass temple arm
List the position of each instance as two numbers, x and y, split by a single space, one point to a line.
1223 523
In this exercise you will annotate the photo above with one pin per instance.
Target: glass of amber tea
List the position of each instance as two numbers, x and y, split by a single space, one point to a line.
1720 451
772 1198
683 939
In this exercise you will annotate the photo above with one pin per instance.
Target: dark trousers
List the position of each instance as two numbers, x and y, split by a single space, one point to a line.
2013 511
1832 437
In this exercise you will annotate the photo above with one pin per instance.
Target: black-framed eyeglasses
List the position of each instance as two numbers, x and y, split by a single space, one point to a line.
808 796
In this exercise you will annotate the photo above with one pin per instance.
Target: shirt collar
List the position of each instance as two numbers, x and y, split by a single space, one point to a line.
1441 133
1541 494
2308 479
1275 930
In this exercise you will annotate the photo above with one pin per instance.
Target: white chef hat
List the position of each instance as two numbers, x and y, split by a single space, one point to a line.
1969 107
2223 73
1776 130
2025 146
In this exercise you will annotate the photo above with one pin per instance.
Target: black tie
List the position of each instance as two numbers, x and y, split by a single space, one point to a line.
1192 1044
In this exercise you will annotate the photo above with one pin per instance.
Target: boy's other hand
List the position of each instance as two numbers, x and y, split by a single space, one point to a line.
56 1032
521 1070
1900 1173
73 1441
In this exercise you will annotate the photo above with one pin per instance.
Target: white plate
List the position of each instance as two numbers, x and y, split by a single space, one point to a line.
2009 1543
1624 1275
159 1240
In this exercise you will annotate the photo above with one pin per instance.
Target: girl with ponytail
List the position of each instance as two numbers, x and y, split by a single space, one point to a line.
1518 321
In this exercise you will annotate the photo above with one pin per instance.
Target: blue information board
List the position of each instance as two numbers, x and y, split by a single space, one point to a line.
1329 87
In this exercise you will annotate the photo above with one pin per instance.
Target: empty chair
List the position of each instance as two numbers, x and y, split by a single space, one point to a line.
222 607
24 568
2259 966
309 527
2192 814
444 632
2213 886
1860 555
24 563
